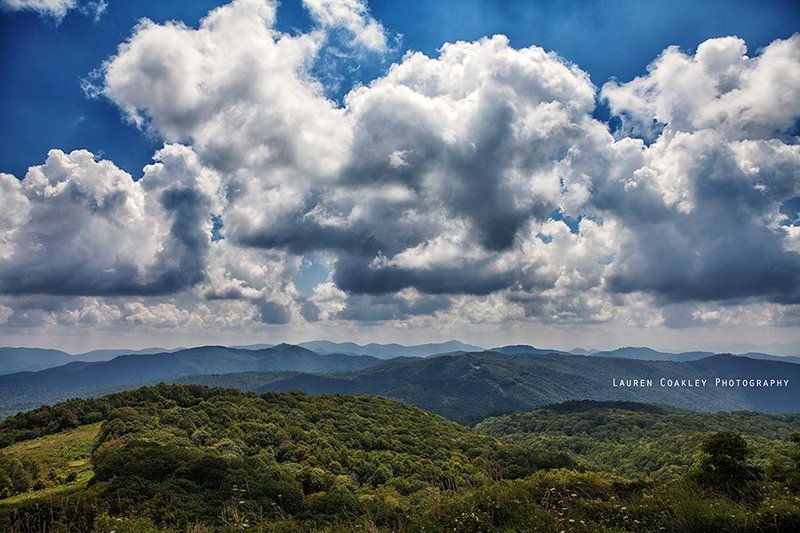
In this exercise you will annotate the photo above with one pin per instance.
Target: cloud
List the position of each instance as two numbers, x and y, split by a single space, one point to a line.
480 129
456 155
83 227
352 16
5 313
451 159
235 88
328 300
400 306
475 186
720 88
718 175
57 9
240 94
54 8
715 242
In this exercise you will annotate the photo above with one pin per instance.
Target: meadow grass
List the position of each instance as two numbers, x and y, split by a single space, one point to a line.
64 460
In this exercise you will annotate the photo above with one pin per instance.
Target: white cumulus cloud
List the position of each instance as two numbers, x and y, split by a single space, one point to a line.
57 9
352 16
474 186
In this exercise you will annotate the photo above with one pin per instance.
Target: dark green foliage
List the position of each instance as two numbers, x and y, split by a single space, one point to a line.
176 454
639 440
191 458
16 476
72 413
724 465
792 474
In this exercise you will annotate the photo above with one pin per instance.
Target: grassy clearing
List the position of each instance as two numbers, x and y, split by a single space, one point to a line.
63 460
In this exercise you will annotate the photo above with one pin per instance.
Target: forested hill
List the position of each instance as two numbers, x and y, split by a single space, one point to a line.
138 368
181 453
638 440
296 426
470 387
191 458
463 387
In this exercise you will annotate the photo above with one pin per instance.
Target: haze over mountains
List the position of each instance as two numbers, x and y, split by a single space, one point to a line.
134 368
460 381
16 359
639 352
389 351
21 359
469 387
643 352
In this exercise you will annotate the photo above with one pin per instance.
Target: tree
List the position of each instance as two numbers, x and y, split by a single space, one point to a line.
724 465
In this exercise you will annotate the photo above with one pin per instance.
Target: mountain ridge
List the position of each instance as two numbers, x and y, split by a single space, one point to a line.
468 387
461 386
388 351
126 369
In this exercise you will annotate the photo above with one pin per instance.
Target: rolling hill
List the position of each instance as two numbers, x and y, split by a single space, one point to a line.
462 387
525 349
633 439
467 388
648 354
14 360
25 390
128 369
173 458
179 454
31 359
642 353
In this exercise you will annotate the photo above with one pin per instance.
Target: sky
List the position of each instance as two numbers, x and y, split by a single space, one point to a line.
563 174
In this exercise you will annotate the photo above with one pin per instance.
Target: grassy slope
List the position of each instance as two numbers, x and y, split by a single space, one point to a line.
58 456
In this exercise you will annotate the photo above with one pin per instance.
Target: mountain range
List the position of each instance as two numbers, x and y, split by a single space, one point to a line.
639 352
469 387
134 368
390 351
465 387
19 359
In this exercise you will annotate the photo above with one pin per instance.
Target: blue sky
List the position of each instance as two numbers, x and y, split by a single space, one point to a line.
564 174
42 105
